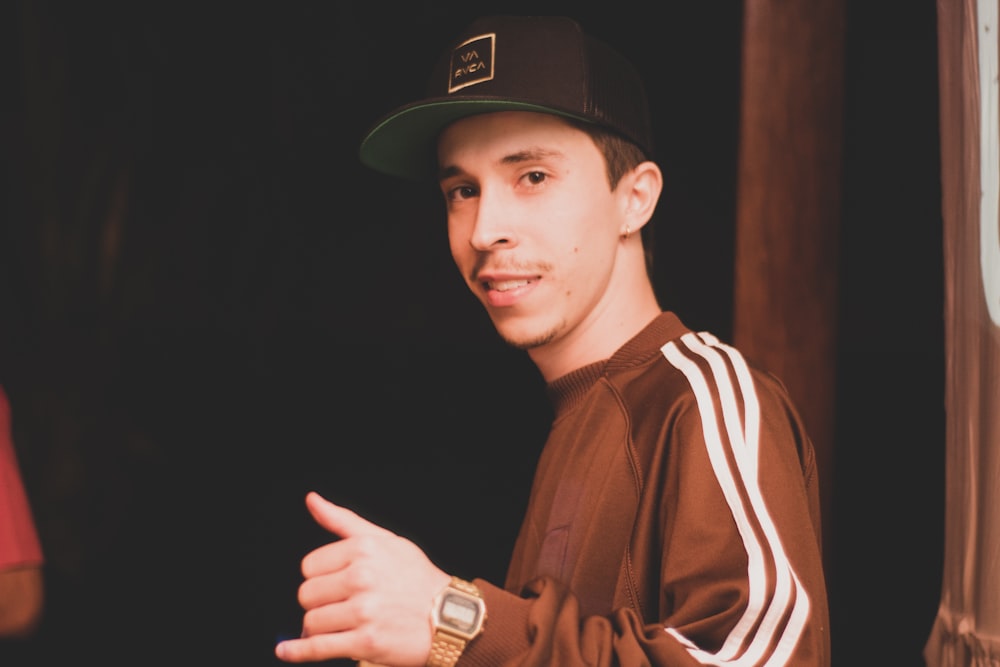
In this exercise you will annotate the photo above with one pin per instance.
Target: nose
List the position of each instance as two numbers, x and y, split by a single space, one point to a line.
492 228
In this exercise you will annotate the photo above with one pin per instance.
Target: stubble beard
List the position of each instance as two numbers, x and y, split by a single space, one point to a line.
525 344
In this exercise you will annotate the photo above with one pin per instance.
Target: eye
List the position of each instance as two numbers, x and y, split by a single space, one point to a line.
535 177
460 192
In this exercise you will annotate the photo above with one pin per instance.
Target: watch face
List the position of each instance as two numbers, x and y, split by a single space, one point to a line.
460 613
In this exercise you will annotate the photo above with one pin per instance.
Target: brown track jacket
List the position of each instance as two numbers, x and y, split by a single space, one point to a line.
673 520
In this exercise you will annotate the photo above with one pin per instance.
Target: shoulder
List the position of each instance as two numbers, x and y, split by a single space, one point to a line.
697 378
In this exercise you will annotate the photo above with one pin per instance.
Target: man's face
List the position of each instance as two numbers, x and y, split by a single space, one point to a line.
532 223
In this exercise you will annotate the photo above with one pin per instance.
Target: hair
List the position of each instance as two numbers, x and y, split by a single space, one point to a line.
620 157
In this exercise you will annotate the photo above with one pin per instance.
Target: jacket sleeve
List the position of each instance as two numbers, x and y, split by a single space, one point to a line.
548 631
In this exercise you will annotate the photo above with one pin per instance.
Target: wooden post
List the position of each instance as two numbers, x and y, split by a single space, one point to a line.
788 208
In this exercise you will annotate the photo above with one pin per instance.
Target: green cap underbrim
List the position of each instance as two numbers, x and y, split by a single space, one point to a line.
404 143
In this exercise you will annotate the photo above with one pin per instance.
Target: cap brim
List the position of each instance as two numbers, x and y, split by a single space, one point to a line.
403 143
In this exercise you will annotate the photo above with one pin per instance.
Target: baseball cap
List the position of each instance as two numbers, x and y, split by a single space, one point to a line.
506 63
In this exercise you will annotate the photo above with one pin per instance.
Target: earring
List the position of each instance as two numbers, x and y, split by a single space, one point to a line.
628 232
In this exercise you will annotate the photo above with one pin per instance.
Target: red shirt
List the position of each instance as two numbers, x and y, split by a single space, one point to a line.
19 544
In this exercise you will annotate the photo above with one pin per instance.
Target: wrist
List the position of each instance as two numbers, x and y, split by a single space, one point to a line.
458 615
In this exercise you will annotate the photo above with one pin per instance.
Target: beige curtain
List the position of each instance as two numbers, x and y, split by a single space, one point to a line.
967 628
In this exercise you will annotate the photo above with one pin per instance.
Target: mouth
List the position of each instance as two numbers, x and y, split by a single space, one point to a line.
507 291
505 285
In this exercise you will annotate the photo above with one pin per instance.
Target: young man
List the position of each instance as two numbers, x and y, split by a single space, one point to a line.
674 515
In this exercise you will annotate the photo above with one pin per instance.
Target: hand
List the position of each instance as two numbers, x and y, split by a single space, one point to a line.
366 596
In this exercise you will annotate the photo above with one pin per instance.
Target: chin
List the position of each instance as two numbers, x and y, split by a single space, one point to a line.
524 337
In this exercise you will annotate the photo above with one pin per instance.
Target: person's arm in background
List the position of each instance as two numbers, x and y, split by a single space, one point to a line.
22 585
22 596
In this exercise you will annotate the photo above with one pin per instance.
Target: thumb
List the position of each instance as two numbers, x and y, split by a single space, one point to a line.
336 519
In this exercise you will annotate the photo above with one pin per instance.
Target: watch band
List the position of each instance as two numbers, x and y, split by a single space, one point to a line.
447 646
465 586
445 650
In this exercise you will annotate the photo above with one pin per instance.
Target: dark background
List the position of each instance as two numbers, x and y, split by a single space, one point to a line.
208 308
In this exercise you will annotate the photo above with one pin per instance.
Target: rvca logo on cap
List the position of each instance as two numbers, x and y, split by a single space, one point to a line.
472 62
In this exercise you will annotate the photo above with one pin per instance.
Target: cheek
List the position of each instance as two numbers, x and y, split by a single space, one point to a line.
458 244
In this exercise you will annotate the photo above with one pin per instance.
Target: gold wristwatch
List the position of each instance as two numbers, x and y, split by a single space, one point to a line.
457 618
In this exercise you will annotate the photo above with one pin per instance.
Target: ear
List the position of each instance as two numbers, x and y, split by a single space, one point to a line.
641 192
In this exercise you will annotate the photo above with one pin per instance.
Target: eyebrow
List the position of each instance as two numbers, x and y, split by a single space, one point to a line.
526 155
448 172
530 154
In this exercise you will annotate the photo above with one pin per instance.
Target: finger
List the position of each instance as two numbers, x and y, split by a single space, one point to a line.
317 647
330 618
356 533
338 520
320 590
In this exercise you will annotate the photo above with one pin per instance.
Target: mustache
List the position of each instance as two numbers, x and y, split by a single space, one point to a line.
507 265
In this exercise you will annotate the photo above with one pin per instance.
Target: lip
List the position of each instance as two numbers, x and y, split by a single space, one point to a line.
505 290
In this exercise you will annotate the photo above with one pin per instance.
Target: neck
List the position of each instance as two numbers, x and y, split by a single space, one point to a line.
619 317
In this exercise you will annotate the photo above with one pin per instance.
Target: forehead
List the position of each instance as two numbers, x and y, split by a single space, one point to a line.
495 135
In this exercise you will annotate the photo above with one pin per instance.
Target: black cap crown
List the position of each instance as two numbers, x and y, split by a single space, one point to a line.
504 63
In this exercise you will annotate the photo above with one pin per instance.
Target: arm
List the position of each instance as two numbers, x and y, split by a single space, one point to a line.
21 601
368 596
21 558
719 562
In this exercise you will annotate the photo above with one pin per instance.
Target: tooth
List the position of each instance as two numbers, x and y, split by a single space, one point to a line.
504 285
